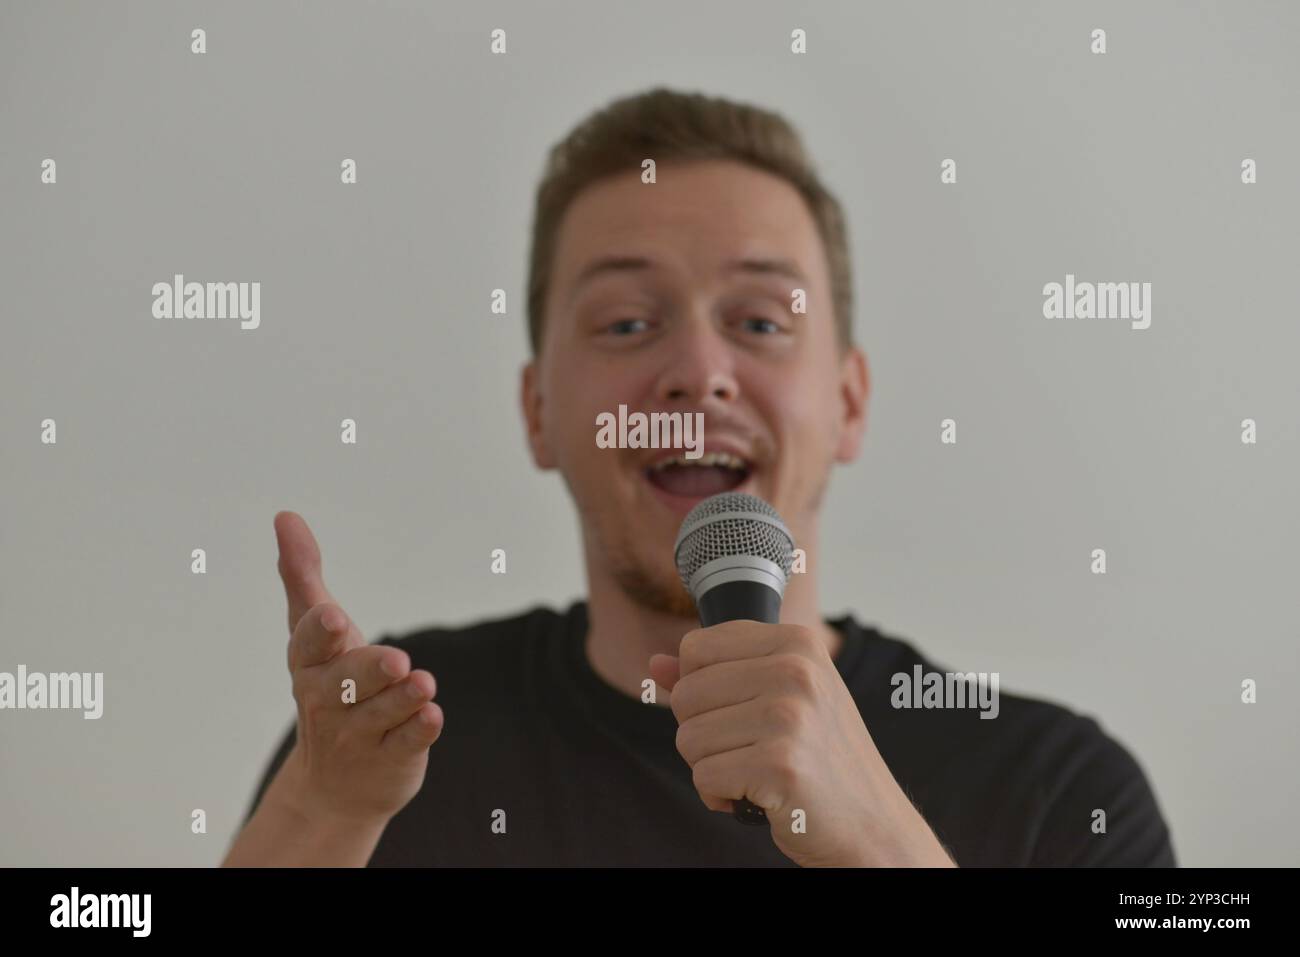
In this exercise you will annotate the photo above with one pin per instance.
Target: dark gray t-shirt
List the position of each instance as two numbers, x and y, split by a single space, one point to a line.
586 775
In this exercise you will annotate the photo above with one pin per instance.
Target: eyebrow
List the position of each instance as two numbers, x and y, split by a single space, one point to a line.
631 264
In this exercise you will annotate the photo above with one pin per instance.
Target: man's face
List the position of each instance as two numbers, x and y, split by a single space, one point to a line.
668 323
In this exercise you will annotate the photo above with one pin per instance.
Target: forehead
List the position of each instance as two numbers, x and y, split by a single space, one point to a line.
695 219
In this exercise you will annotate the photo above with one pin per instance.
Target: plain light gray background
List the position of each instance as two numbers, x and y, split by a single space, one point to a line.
178 434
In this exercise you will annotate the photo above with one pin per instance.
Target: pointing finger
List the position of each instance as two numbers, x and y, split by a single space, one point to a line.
300 566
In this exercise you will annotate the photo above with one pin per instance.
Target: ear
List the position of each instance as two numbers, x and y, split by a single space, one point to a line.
855 385
530 402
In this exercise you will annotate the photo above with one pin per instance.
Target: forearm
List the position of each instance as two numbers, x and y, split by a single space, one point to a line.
906 841
284 833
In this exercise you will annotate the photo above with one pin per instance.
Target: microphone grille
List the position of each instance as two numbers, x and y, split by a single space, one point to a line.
732 523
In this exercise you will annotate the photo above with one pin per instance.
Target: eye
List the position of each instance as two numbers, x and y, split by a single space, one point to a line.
619 326
767 325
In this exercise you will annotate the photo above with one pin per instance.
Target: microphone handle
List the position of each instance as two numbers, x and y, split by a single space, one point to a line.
733 601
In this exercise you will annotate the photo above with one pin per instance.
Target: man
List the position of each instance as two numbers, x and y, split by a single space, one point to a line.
720 284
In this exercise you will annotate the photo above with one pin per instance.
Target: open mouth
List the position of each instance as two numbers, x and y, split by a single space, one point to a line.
711 473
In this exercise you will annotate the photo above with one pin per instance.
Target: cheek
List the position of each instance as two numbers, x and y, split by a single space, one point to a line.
794 415
575 440
572 429
804 425
583 391
569 408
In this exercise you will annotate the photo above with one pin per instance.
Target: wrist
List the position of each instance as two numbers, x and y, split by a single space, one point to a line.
302 807
293 828
918 846
903 839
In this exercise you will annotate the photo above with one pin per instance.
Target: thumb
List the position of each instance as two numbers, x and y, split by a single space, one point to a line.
665 670
299 566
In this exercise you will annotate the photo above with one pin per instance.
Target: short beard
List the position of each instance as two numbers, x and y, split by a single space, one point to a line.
653 593
661 595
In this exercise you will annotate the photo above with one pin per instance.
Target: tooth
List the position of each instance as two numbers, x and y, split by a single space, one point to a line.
725 459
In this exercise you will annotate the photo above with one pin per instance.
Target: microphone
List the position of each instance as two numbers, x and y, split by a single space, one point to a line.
733 554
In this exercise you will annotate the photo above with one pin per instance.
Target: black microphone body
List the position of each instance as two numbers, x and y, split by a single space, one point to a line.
733 601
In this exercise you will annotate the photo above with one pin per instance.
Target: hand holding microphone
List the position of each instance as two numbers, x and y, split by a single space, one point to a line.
764 718
733 554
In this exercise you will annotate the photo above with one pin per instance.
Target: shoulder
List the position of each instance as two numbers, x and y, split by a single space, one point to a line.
893 673
1102 809
1081 793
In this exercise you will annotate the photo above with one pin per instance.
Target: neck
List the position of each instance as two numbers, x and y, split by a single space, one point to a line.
622 634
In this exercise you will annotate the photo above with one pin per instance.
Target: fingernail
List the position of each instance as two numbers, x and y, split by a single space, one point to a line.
333 619
391 667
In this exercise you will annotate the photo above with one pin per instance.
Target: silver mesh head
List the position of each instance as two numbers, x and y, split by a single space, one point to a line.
731 524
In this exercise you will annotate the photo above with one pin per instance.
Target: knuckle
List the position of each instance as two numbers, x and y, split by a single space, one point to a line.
431 715
413 728
783 713
787 779
685 742
781 765
421 684
698 776
416 729
689 647
680 699
392 662
318 609
702 777
333 613
350 664
803 637
798 673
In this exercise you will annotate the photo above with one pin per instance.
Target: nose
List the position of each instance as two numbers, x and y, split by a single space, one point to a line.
698 368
